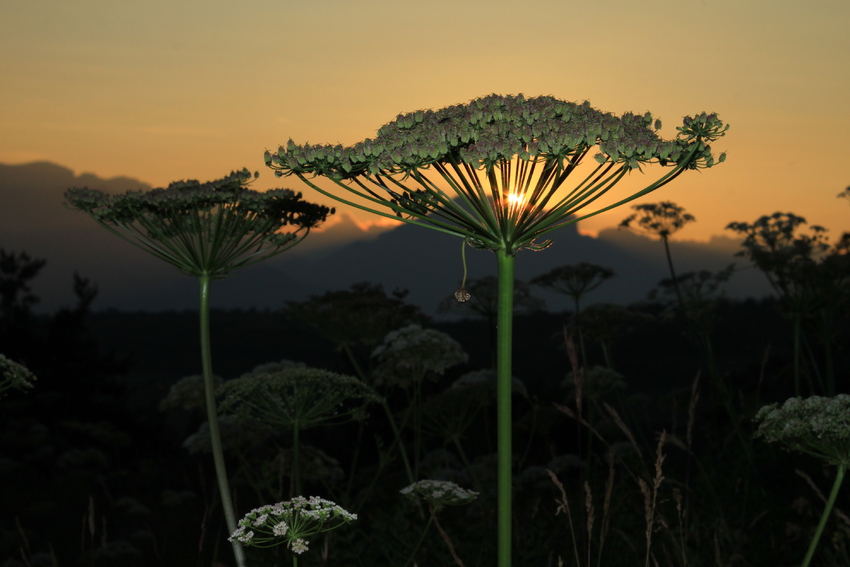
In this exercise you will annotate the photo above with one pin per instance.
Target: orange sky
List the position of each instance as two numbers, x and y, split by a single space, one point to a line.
164 90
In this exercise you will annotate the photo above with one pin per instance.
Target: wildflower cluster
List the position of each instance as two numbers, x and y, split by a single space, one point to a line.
204 228
290 522
296 397
504 157
412 352
14 376
496 128
816 425
439 493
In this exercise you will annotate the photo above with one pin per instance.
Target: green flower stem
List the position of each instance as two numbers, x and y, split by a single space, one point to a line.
419 543
504 335
839 478
212 418
296 459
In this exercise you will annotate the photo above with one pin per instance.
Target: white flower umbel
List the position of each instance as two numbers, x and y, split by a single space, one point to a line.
439 493
819 427
290 522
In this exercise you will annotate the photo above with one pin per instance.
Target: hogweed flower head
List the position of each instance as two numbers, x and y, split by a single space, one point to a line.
816 426
209 228
14 376
439 493
574 280
504 157
411 353
297 397
661 219
290 522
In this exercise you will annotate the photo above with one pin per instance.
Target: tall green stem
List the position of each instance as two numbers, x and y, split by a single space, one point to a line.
212 419
504 335
296 459
839 478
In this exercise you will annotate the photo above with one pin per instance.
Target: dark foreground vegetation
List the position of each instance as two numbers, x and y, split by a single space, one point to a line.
642 413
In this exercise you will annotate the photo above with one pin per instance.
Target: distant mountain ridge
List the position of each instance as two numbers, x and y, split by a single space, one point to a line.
33 218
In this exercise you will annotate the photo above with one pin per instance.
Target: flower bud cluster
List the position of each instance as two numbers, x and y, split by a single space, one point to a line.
495 128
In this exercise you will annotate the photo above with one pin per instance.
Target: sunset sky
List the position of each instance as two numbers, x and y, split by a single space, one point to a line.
163 90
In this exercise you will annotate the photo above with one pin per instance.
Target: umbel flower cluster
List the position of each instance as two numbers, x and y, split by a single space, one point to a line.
816 425
504 157
290 522
297 397
439 493
14 376
208 228
412 352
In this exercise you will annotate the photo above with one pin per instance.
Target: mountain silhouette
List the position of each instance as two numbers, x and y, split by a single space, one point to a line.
33 218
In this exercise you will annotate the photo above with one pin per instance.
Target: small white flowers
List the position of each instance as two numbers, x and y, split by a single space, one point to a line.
299 546
439 493
818 426
290 522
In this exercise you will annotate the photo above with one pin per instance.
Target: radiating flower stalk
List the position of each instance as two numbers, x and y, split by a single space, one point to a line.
206 230
296 399
819 427
494 173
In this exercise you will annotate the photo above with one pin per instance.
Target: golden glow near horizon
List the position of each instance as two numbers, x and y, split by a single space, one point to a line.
162 90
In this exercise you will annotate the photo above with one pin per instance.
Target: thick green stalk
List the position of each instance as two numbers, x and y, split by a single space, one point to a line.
504 335
212 419
839 477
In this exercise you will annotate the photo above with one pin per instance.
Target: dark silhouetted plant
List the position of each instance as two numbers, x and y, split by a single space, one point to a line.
494 173
789 260
208 231
575 280
295 399
662 220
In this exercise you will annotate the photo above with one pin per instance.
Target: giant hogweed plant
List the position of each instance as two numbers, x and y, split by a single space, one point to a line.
206 230
495 172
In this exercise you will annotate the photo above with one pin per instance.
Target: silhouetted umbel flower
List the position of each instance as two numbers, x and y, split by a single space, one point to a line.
209 228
